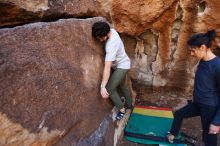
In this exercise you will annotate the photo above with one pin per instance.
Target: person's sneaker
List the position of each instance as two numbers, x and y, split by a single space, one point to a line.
120 115
170 137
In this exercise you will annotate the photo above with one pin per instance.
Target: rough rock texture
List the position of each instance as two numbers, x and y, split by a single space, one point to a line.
155 32
13 134
135 17
14 12
50 75
207 16
160 30
48 81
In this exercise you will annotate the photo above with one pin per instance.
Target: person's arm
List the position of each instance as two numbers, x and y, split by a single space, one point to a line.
215 124
111 52
105 78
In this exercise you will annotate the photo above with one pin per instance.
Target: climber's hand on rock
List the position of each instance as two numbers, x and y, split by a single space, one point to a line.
104 92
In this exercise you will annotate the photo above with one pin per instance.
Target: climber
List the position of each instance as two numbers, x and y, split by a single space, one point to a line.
206 94
117 60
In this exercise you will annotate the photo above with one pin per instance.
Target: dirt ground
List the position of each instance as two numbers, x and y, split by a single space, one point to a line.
171 99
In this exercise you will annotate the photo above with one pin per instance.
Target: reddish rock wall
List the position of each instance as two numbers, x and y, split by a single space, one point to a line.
50 72
50 75
161 29
13 12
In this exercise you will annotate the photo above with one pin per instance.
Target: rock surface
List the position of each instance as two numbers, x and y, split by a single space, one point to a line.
13 12
159 28
50 75
156 34
50 72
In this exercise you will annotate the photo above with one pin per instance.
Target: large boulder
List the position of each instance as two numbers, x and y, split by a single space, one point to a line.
155 32
13 12
50 75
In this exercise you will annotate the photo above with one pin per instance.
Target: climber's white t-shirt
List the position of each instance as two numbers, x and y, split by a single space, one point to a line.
115 51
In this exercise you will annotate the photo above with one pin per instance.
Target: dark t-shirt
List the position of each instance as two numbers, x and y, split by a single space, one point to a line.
207 84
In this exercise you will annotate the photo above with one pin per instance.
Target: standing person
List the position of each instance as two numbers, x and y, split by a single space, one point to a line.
206 94
117 59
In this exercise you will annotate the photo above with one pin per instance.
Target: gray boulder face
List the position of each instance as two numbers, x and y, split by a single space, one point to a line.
50 75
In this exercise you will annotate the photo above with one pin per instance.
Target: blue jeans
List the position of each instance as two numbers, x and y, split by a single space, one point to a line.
206 113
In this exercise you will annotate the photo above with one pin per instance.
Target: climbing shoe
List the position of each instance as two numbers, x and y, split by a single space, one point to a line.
170 137
120 115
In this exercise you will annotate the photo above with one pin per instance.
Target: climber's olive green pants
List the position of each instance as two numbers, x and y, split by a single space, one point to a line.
117 83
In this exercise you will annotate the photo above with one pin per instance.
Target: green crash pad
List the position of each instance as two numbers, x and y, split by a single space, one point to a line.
149 125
